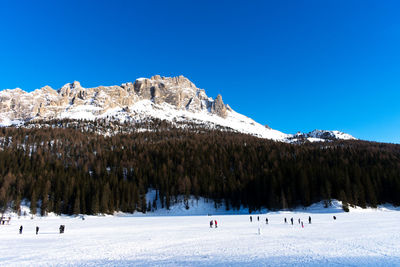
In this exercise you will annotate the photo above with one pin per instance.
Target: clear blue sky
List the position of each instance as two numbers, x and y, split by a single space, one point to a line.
294 65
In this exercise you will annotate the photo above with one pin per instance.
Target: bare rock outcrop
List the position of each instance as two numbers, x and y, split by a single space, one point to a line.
218 107
46 103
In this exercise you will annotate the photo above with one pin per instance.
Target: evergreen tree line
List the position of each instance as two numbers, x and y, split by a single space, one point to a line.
73 172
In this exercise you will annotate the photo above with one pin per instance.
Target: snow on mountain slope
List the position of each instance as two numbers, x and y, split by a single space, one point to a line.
232 120
321 135
173 99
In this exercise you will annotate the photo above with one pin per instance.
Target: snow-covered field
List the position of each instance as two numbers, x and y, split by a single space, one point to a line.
359 238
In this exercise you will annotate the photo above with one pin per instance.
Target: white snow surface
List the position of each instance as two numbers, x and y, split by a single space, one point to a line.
336 134
234 120
7 122
362 237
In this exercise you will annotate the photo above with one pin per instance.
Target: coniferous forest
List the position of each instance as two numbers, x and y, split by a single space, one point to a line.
73 171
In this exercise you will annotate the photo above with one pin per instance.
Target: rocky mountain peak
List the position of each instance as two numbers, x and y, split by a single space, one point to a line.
76 84
219 107
48 90
319 135
175 99
178 81
178 92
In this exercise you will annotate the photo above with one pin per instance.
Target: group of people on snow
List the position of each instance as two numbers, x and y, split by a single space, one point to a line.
3 220
285 220
300 221
61 229
213 222
251 218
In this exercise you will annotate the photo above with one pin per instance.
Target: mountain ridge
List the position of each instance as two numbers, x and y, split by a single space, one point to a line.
166 98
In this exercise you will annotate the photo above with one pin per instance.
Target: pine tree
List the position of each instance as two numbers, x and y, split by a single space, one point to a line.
33 205
95 204
343 198
77 203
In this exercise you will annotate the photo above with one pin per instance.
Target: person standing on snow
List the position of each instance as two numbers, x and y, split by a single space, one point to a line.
37 229
258 218
291 220
266 220
285 220
216 224
20 229
309 219
251 219
211 224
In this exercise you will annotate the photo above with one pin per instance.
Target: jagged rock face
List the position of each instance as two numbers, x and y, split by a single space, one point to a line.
218 107
176 91
47 103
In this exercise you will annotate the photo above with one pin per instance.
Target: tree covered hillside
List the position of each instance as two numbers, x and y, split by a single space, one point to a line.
67 170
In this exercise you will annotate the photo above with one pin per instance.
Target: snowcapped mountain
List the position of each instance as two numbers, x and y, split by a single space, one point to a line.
320 136
174 99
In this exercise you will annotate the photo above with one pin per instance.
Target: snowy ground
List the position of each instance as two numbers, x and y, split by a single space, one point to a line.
358 238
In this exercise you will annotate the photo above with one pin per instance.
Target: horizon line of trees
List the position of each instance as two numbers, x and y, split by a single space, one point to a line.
73 172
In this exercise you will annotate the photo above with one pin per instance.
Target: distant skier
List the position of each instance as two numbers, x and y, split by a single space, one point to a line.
299 220
334 217
302 225
62 228
309 219
211 224
291 220
37 229
216 224
285 220
20 229
258 218
251 219
266 220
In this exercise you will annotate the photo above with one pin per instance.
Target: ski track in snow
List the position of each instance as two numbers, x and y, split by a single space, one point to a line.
358 238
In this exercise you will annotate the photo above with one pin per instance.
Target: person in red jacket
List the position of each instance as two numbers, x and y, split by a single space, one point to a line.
216 225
